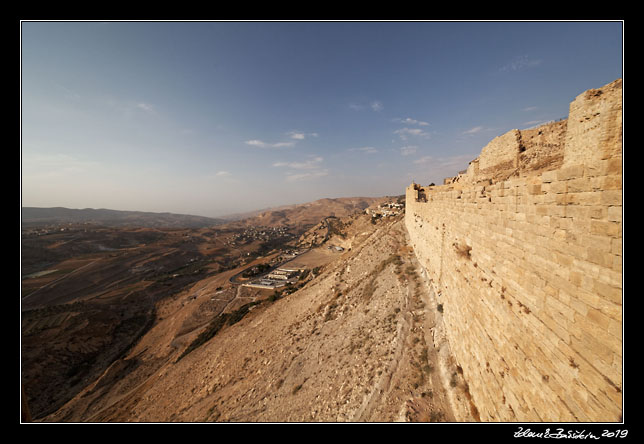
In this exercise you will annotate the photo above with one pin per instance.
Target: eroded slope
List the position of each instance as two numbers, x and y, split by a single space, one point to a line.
361 342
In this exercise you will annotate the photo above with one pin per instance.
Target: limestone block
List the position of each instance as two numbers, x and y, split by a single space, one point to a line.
549 176
615 213
570 172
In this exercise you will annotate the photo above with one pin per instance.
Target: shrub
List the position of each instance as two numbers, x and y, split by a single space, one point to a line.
463 251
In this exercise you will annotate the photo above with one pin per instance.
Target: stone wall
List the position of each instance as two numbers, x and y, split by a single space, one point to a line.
518 152
529 273
500 155
542 148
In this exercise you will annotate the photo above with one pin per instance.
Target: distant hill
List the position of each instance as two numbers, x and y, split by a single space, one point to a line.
306 214
32 216
298 215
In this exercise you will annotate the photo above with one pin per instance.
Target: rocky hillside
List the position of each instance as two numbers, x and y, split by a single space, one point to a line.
361 341
308 214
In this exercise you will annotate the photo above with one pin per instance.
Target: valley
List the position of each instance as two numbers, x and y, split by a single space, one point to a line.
90 292
159 331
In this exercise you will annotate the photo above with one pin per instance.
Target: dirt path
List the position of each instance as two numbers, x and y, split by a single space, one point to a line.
441 408
415 385
234 299
382 390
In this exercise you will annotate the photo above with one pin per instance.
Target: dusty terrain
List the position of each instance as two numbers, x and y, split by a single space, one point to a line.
308 213
361 341
90 288
89 293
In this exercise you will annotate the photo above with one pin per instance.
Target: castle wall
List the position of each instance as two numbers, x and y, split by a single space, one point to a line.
542 148
595 125
500 156
529 273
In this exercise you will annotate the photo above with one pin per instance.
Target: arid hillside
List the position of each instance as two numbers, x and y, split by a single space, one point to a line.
90 286
360 339
310 213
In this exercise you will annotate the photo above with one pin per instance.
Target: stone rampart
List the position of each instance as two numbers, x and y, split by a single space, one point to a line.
529 270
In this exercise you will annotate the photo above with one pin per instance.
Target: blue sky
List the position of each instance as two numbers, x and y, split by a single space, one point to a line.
213 118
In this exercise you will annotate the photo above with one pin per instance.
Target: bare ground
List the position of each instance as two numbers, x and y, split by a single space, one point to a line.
362 342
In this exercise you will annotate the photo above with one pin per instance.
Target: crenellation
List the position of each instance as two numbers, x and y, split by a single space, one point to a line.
524 250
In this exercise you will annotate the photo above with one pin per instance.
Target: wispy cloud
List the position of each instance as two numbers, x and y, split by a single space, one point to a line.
530 108
435 169
408 150
298 135
56 164
308 169
404 133
374 105
410 121
377 106
301 176
129 108
309 164
68 92
520 63
365 149
476 129
423 160
261 144
533 122
223 174
446 163
146 107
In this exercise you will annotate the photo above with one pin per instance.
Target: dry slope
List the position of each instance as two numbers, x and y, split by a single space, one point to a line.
361 342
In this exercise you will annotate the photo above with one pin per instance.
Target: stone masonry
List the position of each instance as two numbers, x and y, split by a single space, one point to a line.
524 252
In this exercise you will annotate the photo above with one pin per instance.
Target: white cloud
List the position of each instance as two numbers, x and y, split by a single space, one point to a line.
146 107
257 143
261 144
309 164
365 149
308 169
302 176
408 150
423 160
410 121
222 174
298 135
377 106
474 130
520 63
530 108
533 122
403 133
